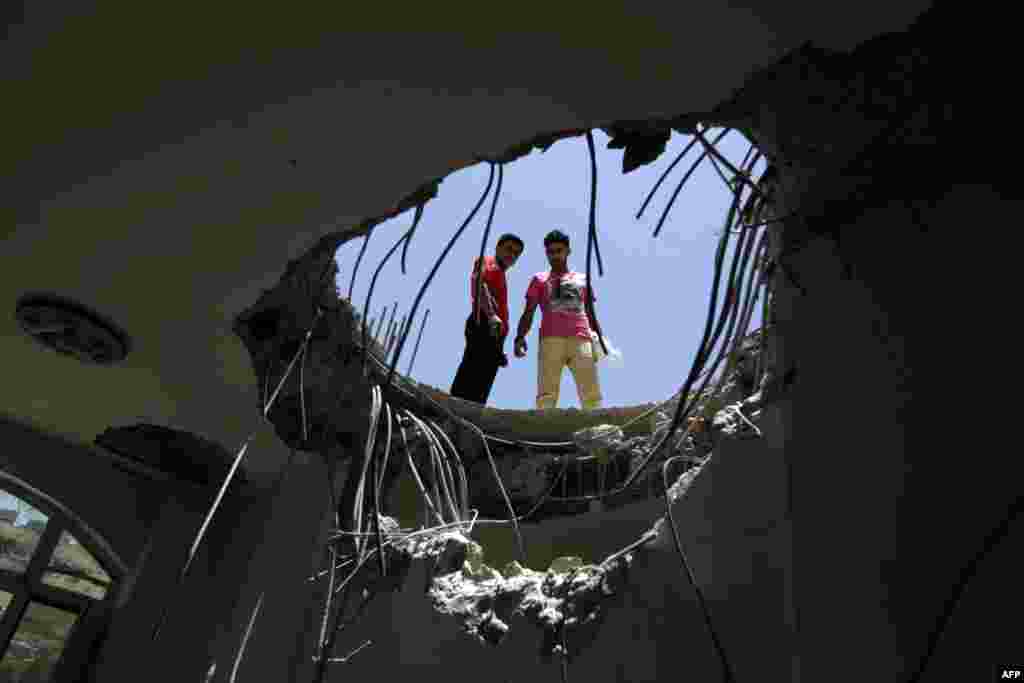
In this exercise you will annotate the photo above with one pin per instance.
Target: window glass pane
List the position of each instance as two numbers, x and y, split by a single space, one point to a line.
37 644
5 600
21 526
73 568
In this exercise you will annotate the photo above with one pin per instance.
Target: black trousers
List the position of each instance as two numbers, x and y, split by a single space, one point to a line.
480 362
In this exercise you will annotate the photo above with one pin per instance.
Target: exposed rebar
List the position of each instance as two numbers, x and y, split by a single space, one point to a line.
416 348
433 272
679 187
359 259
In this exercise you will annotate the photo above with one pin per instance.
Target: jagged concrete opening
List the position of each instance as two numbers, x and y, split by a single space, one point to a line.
527 443
601 461
883 95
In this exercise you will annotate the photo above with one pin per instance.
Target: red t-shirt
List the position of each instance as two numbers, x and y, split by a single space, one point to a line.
494 280
562 303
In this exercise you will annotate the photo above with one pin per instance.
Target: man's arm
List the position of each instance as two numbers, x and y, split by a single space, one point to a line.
525 322
485 303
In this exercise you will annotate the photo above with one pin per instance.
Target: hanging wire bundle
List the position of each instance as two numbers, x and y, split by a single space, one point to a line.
722 334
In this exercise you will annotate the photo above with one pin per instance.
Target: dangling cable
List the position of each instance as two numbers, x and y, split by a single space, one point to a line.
360 494
713 151
592 241
593 202
463 491
245 640
359 259
504 493
387 450
215 506
679 187
433 271
415 221
654 190
727 673
478 280
442 473
302 394
404 239
416 348
332 556
417 479
969 571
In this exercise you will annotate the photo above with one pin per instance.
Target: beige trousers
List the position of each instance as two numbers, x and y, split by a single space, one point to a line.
556 353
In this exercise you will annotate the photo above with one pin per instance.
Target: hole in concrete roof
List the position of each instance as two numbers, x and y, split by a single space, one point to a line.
652 304
71 328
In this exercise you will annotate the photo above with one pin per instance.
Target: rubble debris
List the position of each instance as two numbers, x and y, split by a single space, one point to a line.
569 596
737 419
600 441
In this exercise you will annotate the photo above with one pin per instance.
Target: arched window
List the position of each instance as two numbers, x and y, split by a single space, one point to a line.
57 583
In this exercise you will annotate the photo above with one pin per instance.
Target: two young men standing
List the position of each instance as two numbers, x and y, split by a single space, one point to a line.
565 327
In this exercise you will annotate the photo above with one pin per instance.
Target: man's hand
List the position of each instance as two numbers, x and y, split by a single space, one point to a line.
495 327
520 347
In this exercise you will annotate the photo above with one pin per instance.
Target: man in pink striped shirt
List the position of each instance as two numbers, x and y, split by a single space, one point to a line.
564 329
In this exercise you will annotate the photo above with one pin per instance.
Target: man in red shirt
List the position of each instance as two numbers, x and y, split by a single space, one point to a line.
487 324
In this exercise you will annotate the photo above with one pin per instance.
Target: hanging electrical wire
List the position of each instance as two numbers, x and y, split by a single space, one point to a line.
359 259
245 640
416 348
679 187
453 454
328 634
989 543
727 671
403 240
478 286
665 174
433 272
215 506
412 230
360 493
713 151
504 493
391 323
428 501
592 243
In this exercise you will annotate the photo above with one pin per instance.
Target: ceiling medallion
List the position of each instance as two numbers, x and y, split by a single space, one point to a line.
71 329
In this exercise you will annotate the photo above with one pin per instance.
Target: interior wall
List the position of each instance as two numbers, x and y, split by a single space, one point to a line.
892 486
260 542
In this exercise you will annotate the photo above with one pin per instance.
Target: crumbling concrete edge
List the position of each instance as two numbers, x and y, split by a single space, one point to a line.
568 602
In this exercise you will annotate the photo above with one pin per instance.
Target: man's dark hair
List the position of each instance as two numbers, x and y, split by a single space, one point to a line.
556 236
509 237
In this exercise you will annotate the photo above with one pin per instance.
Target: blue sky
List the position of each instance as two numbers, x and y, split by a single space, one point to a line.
653 298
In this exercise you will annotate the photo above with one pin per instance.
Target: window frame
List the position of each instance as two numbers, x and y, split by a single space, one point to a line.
28 587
